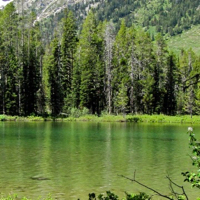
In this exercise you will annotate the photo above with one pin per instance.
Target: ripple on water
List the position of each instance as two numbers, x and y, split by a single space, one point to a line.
80 158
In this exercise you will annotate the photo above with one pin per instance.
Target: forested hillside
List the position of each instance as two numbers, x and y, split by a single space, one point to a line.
101 69
167 16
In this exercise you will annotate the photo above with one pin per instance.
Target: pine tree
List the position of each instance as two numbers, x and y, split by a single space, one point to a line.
68 48
140 64
133 63
55 78
76 82
11 93
160 72
189 77
121 99
91 66
187 80
120 61
31 68
9 70
171 82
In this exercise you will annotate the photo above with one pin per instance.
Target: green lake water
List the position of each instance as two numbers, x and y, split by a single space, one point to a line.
77 158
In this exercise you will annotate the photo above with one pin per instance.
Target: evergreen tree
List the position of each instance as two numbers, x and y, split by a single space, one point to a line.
189 77
9 71
101 71
171 82
55 78
11 93
68 48
160 72
76 82
121 99
120 61
31 68
144 63
133 64
91 66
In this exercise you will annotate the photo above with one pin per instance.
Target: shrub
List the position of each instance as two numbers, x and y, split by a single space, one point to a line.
75 112
2 118
112 196
85 111
132 119
193 178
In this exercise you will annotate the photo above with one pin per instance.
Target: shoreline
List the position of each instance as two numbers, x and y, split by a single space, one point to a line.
186 119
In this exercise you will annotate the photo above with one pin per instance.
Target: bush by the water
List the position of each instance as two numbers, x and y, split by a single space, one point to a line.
111 196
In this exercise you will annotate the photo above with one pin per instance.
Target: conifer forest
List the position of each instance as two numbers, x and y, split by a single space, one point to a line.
97 68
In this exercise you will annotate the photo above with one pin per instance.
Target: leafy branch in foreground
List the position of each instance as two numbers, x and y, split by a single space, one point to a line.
194 178
173 185
177 191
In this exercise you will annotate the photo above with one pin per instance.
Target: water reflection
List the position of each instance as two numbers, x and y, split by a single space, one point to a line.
70 160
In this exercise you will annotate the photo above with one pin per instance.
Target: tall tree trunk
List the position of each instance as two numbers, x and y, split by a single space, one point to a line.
109 41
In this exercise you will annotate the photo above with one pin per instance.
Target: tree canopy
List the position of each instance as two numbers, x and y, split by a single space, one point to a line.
98 69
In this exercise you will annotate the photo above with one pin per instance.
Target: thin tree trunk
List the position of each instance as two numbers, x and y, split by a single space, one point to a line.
109 40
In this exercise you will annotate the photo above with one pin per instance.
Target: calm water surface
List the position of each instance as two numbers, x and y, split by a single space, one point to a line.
77 158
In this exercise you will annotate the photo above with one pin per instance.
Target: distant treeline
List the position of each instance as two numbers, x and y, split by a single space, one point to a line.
94 71
167 16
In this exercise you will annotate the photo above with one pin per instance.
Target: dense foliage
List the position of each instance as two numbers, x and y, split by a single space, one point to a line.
191 177
94 71
167 16
112 196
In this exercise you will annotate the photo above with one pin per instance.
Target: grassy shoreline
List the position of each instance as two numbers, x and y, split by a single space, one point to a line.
111 118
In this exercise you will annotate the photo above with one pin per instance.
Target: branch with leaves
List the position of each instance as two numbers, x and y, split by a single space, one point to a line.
193 178
175 194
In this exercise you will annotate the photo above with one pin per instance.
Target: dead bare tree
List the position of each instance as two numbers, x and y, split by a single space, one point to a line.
109 41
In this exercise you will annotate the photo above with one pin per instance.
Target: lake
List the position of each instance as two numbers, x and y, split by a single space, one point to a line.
71 159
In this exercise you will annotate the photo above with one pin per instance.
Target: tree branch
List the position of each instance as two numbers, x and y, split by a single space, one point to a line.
190 78
175 193
134 180
171 183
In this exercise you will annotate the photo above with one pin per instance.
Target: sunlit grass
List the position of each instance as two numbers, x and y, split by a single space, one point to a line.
186 40
112 118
